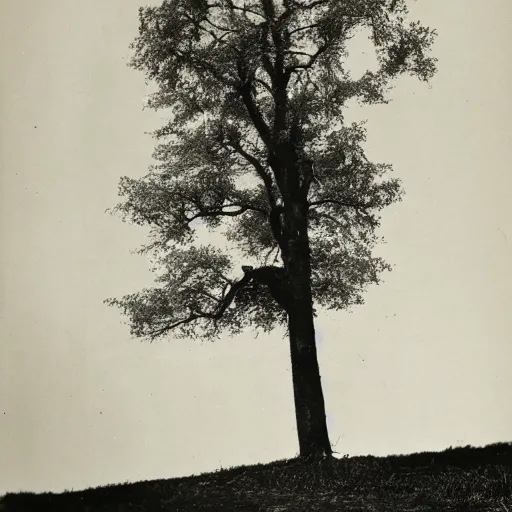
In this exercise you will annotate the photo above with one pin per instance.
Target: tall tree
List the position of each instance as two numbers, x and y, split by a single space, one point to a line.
256 147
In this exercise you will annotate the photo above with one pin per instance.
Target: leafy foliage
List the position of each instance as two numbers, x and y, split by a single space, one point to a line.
256 91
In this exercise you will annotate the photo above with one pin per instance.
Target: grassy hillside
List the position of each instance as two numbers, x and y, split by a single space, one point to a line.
460 479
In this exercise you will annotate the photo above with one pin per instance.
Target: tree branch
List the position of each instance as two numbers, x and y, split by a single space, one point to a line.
264 84
312 5
267 276
219 27
312 60
296 52
201 65
268 9
242 208
254 113
321 202
260 170
293 6
217 313
299 29
234 7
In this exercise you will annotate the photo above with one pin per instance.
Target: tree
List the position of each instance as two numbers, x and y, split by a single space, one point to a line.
256 147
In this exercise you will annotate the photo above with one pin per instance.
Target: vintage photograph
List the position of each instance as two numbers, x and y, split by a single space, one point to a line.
255 255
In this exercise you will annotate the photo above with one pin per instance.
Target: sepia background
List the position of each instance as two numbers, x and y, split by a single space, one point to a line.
424 364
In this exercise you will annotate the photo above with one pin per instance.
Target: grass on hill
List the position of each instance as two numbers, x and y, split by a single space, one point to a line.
458 479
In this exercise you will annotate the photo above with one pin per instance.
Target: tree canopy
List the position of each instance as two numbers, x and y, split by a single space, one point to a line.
256 91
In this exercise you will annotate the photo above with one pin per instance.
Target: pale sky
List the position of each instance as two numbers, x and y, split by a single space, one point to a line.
423 365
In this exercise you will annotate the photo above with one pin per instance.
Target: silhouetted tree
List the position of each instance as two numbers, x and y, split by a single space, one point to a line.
256 146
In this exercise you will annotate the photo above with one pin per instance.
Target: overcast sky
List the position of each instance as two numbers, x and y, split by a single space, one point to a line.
424 364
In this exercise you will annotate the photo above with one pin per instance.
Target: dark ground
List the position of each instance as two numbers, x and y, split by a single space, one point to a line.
459 479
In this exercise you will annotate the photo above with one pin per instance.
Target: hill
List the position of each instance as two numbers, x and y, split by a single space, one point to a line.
457 479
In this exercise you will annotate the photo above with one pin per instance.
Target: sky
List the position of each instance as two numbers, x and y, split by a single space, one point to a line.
423 365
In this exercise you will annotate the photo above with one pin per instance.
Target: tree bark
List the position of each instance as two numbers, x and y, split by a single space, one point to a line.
307 386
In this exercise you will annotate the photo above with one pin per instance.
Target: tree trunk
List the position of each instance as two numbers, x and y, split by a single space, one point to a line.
307 386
